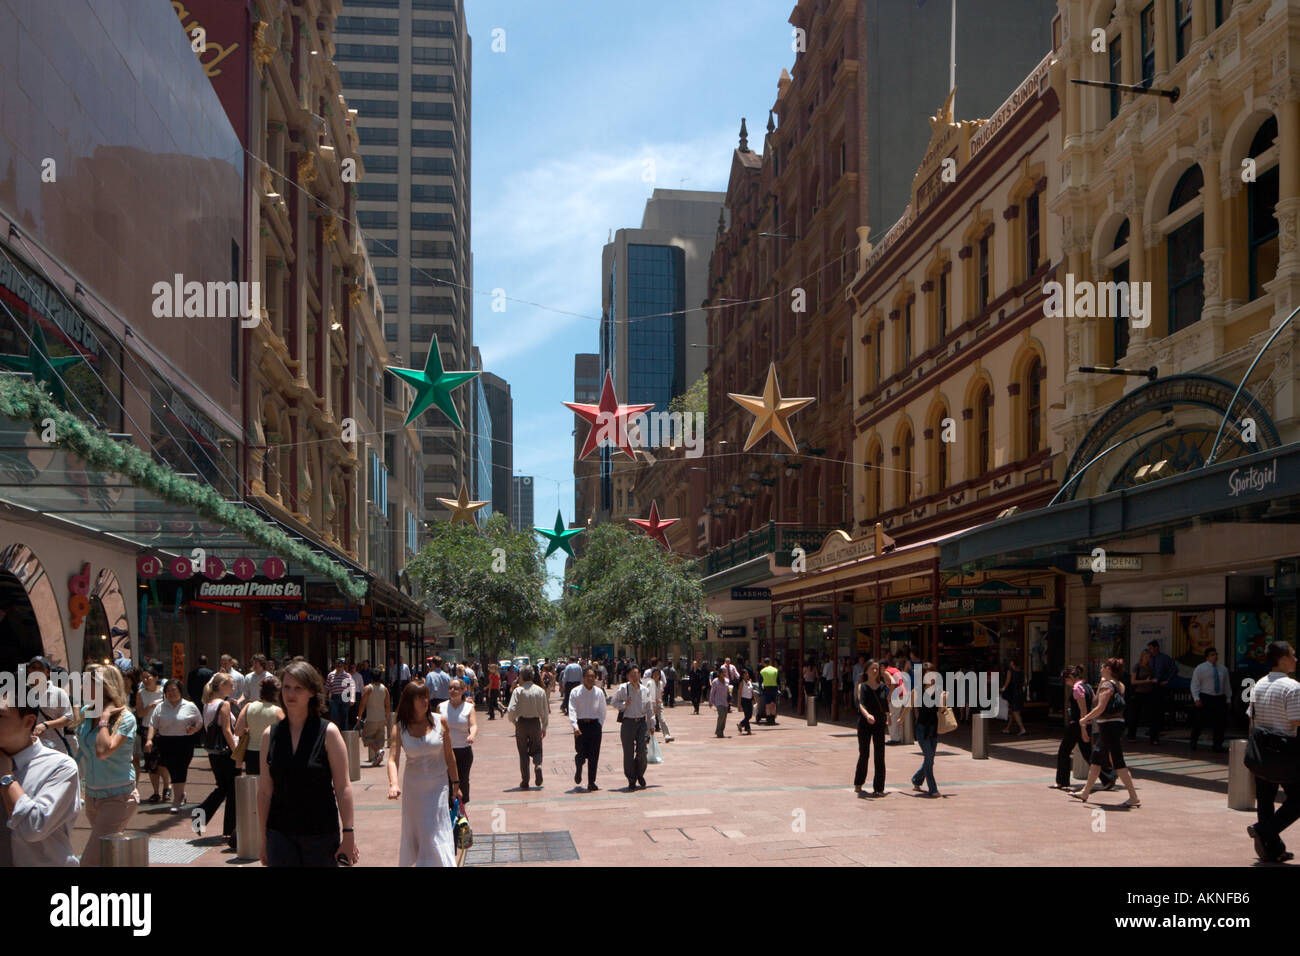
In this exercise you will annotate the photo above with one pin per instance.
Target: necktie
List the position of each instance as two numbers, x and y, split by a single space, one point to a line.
1216 681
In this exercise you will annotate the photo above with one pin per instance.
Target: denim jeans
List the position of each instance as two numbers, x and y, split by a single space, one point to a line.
339 711
928 740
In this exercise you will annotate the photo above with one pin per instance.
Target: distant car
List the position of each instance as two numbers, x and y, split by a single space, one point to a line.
522 662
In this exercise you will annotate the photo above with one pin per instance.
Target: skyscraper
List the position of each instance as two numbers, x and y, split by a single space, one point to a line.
405 68
501 410
587 380
521 508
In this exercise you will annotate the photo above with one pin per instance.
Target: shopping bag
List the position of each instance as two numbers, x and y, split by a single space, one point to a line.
1003 708
947 720
653 753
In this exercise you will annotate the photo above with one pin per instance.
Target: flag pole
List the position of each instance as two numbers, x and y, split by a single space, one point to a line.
952 64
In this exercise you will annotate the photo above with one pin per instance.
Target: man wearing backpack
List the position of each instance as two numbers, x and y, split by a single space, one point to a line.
1081 701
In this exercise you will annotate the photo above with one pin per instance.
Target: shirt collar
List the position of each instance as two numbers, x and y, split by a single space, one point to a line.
24 757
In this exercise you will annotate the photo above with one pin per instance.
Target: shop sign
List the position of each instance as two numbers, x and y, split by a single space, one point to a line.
733 630
178 661
838 548
1114 562
148 566
922 607
1252 479
323 615
998 589
232 589
751 594
1174 593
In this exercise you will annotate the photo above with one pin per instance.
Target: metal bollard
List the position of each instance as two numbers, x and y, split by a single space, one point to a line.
1241 782
128 848
812 711
1080 766
909 726
979 736
353 741
248 838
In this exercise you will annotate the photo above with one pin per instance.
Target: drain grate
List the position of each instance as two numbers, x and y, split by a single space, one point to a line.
174 851
549 846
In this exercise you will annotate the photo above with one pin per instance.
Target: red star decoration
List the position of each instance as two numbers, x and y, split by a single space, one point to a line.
613 411
654 526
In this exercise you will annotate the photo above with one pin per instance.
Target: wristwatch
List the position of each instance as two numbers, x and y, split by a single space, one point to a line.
7 780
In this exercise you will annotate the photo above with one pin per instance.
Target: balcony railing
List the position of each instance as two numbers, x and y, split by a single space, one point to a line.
773 539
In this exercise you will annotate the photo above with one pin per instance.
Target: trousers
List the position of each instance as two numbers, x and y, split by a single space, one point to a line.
869 734
107 815
223 768
586 748
722 719
528 740
928 740
1212 712
634 739
1271 822
1065 757
564 696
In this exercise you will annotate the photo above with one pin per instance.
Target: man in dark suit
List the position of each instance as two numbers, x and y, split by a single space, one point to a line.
198 680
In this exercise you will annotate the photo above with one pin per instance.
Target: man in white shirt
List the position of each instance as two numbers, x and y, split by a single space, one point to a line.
636 701
39 794
56 713
587 715
252 689
1210 698
570 678
1275 708
228 667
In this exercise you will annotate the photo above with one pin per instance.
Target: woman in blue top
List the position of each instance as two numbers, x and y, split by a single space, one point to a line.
107 734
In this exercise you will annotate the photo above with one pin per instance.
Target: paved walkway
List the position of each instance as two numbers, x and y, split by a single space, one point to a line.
783 797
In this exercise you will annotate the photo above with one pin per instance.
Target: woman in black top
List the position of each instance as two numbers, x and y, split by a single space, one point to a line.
1081 699
926 701
1108 711
1013 691
873 720
305 790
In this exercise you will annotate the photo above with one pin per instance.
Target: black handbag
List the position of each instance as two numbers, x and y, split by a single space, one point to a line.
214 739
1273 757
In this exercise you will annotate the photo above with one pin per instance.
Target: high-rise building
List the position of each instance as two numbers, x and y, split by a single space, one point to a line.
481 445
501 411
405 67
587 380
652 334
521 507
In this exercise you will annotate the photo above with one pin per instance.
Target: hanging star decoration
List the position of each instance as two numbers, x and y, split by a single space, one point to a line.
43 367
606 415
559 538
462 509
770 411
433 386
654 526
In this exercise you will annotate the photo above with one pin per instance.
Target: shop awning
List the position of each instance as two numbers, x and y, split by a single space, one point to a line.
1264 487
70 481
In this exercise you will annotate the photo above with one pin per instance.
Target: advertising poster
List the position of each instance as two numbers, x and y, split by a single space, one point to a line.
1150 626
1193 636
1107 637
1253 632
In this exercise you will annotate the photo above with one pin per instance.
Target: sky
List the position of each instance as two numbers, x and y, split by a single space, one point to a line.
563 119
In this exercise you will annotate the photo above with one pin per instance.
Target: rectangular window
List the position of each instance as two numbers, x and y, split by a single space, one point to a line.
433 54
1031 235
431 4
1222 10
1261 230
432 166
1182 26
425 193
418 359
431 249
1120 332
370 26
379 164
436 138
877 353
375 108
982 292
377 192
1116 73
390 303
386 275
390 331
435 278
377 135
433 28
432 305
432 83
421 331
1148 20
380 4
433 111
369 52
368 81
377 218
907 334
431 220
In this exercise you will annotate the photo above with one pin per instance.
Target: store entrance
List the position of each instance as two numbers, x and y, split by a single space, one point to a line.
30 623
20 635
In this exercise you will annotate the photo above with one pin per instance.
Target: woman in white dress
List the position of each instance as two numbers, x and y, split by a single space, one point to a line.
427 836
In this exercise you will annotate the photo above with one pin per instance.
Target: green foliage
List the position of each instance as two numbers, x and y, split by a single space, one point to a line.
626 590
22 400
694 399
486 603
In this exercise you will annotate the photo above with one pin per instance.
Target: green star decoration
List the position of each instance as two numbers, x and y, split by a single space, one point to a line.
433 386
43 367
559 538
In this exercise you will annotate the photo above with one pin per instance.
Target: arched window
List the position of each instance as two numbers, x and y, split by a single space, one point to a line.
1119 274
1184 247
905 479
877 354
1261 220
939 451
907 333
1033 406
877 481
941 291
984 431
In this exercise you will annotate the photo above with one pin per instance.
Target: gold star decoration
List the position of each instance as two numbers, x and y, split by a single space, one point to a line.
462 509
770 411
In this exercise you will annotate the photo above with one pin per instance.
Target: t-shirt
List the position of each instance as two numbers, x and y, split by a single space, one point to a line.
573 674
770 675
180 720
109 776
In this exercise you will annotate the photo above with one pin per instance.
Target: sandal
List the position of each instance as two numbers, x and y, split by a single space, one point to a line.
1080 796
1129 804
156 798
167 793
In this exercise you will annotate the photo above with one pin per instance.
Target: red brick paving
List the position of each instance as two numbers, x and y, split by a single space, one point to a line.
784 797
